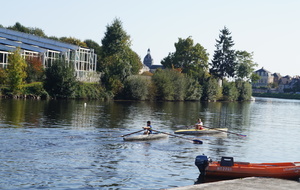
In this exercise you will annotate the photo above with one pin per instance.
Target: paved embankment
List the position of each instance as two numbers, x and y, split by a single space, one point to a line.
251 183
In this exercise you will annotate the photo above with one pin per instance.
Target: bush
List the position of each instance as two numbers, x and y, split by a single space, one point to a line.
60 81
230 92
171 85
136 87
194 90
244 89
212 90
89 91
35 89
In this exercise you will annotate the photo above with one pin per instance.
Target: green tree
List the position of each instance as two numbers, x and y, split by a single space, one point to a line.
118 60
136 87
254 78
194 90
60 80
223 63
116 39
16 72
230 92
35 31
97 49
171 85
245 65
212 91
74 41
245 90
187 56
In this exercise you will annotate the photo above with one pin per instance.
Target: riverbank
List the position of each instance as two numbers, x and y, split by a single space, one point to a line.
277 95
251 183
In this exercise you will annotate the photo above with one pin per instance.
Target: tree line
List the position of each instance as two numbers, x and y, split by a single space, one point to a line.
188 74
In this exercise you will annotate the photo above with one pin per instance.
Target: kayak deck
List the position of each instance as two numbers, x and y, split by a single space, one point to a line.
201 131
146 137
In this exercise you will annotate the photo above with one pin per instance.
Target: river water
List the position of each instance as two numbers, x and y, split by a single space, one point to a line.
73 145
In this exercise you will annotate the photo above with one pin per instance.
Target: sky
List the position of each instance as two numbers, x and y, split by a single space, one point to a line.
268 28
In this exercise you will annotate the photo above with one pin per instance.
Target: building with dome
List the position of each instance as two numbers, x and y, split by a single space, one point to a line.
148 63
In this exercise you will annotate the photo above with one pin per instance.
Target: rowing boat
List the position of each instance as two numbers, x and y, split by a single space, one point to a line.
201 131
154 136
228 169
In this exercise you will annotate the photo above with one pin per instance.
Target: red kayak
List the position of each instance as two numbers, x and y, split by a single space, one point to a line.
228 169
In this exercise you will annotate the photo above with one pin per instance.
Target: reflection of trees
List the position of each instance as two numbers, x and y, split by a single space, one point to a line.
58 112
227 114
21 112
13 111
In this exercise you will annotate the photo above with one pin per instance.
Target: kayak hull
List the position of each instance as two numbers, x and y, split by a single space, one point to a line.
201 131
284 170
146 137
228 169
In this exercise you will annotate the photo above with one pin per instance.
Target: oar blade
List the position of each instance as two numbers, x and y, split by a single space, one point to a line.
196 141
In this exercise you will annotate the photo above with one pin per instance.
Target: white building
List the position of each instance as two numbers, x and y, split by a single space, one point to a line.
48 50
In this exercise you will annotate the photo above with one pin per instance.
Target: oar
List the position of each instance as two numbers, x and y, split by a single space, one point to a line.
131 133
225 131
196 141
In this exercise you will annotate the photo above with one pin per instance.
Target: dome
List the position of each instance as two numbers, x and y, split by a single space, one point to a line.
148 59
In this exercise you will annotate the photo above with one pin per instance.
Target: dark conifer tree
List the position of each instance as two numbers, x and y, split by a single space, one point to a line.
223 63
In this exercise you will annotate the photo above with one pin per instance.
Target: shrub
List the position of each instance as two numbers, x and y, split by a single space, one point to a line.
212 90
136 87
170 85
89 91
60 80
244 89
230 92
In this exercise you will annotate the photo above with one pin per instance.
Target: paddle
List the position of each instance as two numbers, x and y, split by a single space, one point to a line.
196 141
225 131
131 133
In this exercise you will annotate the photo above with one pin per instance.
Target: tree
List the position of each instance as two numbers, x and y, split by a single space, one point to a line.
223 63
60 80
116 39
230 92
72 40
29 30
172 85
245 90
212 91
16 73
187 56
136 87
34 69
97 49
245 65
118 60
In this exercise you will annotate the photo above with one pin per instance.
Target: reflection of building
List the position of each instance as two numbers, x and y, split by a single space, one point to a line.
47 50
148 63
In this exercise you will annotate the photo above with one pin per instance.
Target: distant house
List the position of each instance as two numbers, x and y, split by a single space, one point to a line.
266 78
148 64
281 84
285 83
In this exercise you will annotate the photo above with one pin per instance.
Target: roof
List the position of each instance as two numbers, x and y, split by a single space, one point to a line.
263 70
156 66
32 42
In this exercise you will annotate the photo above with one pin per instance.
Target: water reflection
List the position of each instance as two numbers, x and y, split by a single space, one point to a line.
63 144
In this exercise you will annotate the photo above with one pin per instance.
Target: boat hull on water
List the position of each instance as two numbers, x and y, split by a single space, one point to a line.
228 169
146 137
201 131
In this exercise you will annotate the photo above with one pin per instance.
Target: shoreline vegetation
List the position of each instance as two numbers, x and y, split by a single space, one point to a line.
187 75
278 95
